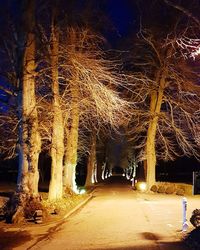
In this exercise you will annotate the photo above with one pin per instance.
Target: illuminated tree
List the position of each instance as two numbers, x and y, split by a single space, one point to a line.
90 78
188 9
22 129
19 70
168 93
29 137
91 164
57 142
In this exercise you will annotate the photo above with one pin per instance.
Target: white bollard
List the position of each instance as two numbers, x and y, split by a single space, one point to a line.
184 207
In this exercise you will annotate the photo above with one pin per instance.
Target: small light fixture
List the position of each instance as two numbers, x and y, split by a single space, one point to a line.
142 186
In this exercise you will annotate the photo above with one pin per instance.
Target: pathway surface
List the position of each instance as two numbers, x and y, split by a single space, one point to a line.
119 218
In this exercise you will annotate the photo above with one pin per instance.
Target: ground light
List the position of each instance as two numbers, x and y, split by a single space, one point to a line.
142 186
76 189
79 191
82 191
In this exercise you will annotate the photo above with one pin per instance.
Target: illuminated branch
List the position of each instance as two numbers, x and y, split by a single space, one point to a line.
190 47
84 63
183 10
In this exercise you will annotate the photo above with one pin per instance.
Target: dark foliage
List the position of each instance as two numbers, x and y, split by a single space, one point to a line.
21 207
170 190
154 188
180 191
31 207
161 189
195 218
192 240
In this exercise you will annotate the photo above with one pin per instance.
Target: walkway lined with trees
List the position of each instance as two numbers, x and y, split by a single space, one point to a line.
117 218
71 93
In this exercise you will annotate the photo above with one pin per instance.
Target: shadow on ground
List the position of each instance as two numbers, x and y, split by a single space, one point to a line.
163 246
157 244
9 240
6 194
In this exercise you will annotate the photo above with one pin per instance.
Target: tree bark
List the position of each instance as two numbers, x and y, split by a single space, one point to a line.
155 107
91 168
99 171
71 147
30 141
57 144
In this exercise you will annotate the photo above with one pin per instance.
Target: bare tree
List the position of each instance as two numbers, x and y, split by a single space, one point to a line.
19 69
90 77
30 142
168 107
57 143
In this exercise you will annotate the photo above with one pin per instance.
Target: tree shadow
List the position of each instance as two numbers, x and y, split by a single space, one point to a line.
9 240
155 243
150 236
163 246
7 194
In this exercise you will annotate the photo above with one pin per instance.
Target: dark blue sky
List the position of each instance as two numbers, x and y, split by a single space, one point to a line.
122 15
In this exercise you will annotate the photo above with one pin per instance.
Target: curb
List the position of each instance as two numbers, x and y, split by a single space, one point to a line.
68 214
56 223
79 206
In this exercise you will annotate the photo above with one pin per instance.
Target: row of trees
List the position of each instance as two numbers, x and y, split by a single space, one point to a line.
65 89
67 95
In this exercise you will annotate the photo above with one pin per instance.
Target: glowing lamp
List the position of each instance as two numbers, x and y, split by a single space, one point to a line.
142 186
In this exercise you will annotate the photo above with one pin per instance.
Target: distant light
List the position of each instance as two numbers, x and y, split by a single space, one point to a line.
123 175
82 191
79 191
142 186
76 189
74 186
92 179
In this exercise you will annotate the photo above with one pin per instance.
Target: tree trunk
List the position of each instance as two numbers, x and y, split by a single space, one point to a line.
155 107
30 142
57 144
151 152
91 165
99 171
70 158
